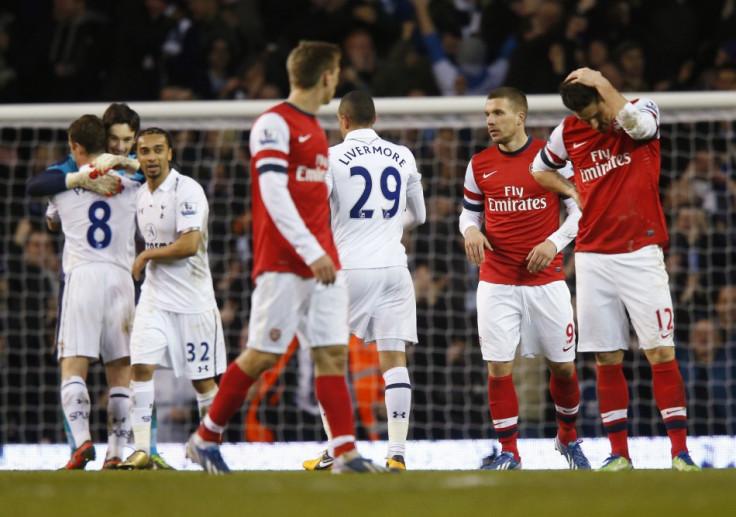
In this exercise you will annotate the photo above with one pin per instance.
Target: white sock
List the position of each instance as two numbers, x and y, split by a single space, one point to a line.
212 426
398 407
76 406
143 397
118 421
204 401
328 431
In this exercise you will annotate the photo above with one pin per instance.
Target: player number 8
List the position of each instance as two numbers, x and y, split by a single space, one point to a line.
99 223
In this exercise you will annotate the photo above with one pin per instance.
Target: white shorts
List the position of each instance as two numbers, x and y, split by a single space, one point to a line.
283 303
609 286
190 344
97 306
382 304
539 317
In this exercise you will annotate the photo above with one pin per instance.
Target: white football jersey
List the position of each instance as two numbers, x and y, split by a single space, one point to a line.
96 228
177 206
368 181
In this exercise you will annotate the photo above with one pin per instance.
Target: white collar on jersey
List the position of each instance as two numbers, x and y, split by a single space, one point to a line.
170 181
362 134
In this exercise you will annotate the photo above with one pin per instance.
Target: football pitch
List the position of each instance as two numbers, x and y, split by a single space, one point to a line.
447 493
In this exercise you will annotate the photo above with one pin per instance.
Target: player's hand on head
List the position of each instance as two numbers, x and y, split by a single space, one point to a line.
475 245
541 256
324 270
585 76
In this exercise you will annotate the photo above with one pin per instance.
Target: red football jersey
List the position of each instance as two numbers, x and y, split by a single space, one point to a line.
519 214
618 181
286 140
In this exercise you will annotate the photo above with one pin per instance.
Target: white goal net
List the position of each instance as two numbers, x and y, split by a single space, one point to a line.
698 188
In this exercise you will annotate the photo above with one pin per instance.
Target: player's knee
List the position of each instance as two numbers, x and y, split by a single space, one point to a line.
330 360
500 368
391 359
609 358
202 386
660 354
563 370
254 362
143 372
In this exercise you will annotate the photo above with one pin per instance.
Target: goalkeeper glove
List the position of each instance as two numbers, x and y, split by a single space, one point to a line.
107 161
92 180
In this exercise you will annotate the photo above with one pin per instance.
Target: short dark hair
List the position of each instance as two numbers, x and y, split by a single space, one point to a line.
89 132
577 96
157 131
358 107
309 60
120 113
514 95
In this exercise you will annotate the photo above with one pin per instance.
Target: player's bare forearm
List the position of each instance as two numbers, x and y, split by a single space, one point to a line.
183 247
52 225
476 245
556 182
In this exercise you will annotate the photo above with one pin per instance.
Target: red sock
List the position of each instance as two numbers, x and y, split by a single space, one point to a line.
613 403
669 392
566 396
504 407
332 393
231 393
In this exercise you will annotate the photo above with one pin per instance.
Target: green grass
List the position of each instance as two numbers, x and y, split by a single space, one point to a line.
652 493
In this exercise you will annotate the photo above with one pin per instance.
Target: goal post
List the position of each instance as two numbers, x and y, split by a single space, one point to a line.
450 397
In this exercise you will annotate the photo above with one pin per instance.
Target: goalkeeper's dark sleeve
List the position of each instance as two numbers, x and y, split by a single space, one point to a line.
46 183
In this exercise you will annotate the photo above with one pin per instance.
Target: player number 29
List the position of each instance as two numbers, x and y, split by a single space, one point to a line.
391 194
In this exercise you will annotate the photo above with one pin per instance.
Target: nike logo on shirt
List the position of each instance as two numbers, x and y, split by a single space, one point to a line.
489 174
303 138
577 144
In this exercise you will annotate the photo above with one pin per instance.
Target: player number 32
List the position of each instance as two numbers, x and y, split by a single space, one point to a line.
204 348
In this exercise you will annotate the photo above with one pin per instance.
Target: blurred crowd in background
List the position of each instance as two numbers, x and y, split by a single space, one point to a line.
96 50
77 50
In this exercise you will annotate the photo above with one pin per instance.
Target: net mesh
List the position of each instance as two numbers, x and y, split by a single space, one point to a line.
448 374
